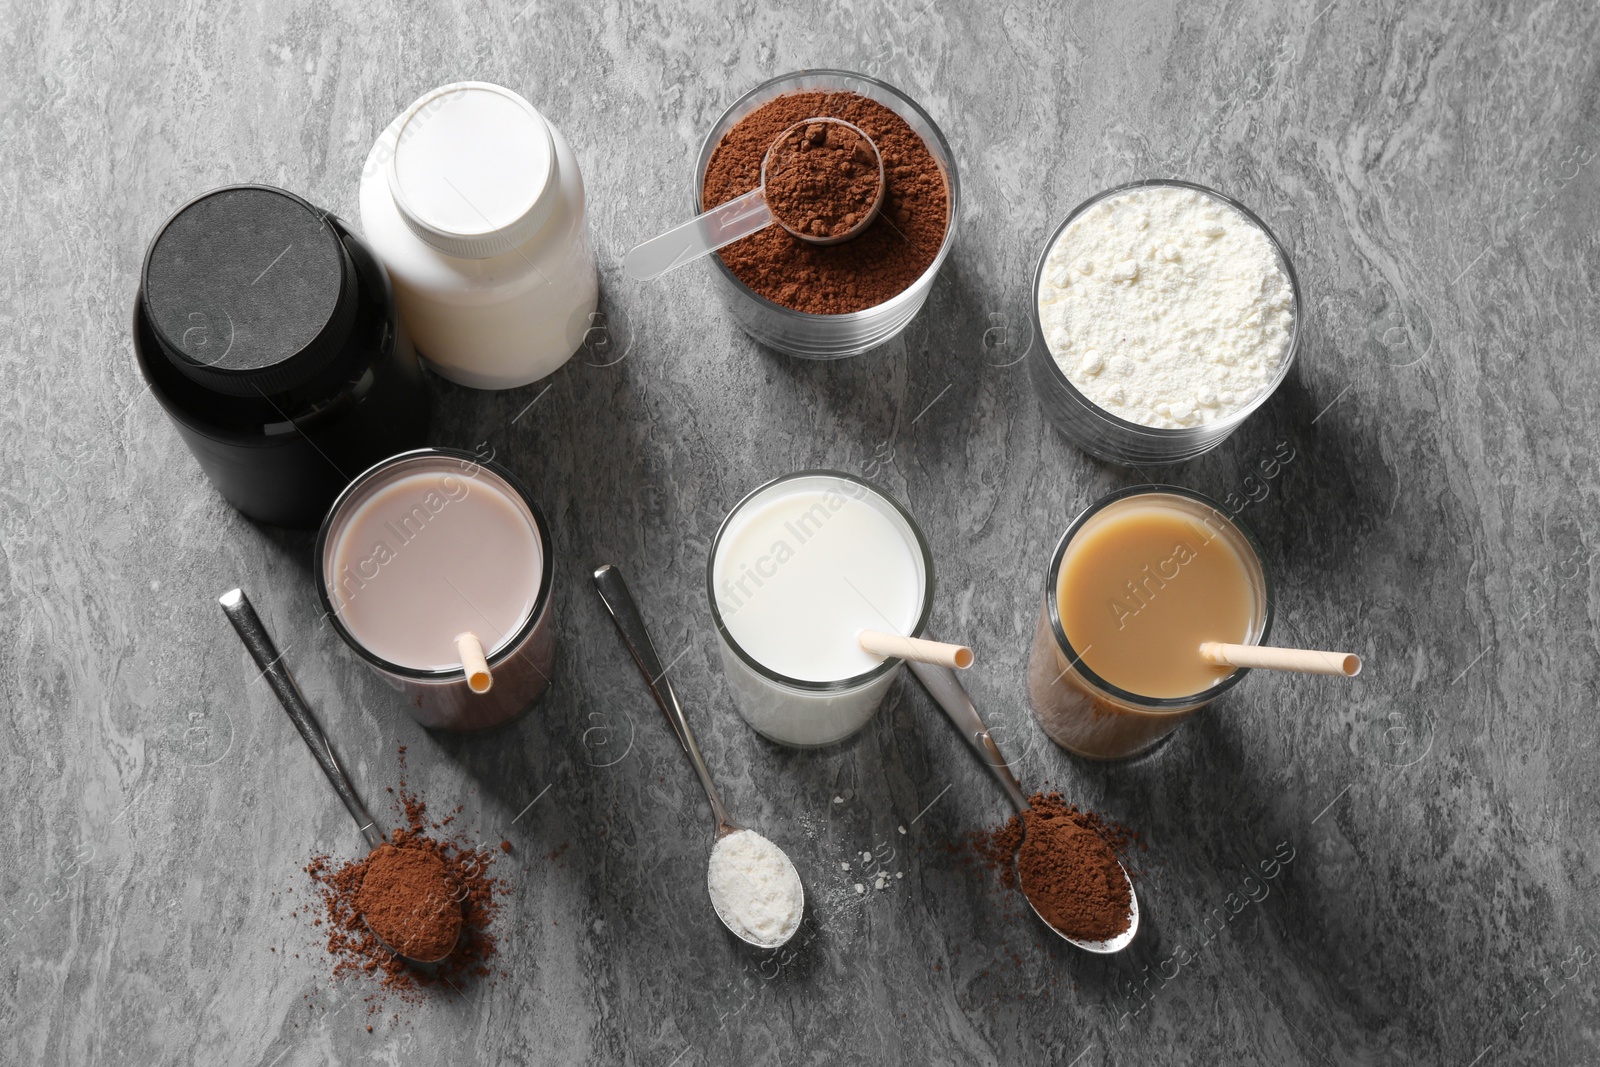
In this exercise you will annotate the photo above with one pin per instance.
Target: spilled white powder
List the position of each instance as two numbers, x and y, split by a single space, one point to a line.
755 888
1166 307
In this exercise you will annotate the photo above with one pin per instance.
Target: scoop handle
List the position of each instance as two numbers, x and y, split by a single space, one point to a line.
630 624
259 643
722 225
948 692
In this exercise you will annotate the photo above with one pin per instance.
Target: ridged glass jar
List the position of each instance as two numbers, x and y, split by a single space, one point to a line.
800 333
1111 437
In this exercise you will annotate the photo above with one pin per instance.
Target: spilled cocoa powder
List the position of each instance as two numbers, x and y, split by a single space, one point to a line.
1068 864
355 950
883 261
821 179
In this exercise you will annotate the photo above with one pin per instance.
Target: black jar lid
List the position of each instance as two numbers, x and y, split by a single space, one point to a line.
249 291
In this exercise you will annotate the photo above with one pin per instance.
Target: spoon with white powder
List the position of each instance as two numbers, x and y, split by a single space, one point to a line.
754 888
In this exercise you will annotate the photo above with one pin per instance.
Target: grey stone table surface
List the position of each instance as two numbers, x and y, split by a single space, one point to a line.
1431 166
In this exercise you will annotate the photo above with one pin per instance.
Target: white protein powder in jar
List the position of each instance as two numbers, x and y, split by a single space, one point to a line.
755 888
1166 307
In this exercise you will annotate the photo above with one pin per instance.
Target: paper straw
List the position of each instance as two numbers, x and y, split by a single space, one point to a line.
1304 660
479 680
915 648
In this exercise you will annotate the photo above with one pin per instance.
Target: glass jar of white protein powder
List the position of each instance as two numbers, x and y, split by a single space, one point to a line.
1164 314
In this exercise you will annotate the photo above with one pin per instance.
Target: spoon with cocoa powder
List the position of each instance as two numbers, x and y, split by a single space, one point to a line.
406 897
1069 874
822 180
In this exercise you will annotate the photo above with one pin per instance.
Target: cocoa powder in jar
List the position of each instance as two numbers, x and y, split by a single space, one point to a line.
884 260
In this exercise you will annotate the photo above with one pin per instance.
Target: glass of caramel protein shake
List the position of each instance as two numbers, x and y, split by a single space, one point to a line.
1138 581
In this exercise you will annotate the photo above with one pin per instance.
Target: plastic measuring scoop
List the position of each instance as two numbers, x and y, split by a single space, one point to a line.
740 217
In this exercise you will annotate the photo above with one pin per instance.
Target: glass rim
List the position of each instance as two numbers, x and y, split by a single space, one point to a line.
508 647
806 685
1075 660
1224 425
952 185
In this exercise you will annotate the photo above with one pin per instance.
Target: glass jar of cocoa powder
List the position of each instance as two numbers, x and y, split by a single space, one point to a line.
830 335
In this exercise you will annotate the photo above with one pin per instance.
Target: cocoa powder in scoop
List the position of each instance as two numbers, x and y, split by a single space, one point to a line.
884 260
355 951
821 179
1070 873
1068 863
410 901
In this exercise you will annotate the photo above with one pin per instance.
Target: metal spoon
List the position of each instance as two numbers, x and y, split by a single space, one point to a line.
947 691
625 613
742 216
259 643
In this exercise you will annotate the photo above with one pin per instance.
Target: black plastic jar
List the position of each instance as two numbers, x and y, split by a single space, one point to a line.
267 331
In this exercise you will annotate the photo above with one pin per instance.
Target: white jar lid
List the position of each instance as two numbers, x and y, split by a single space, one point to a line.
474 170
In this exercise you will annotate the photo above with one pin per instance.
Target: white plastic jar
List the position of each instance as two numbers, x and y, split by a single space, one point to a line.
475 204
